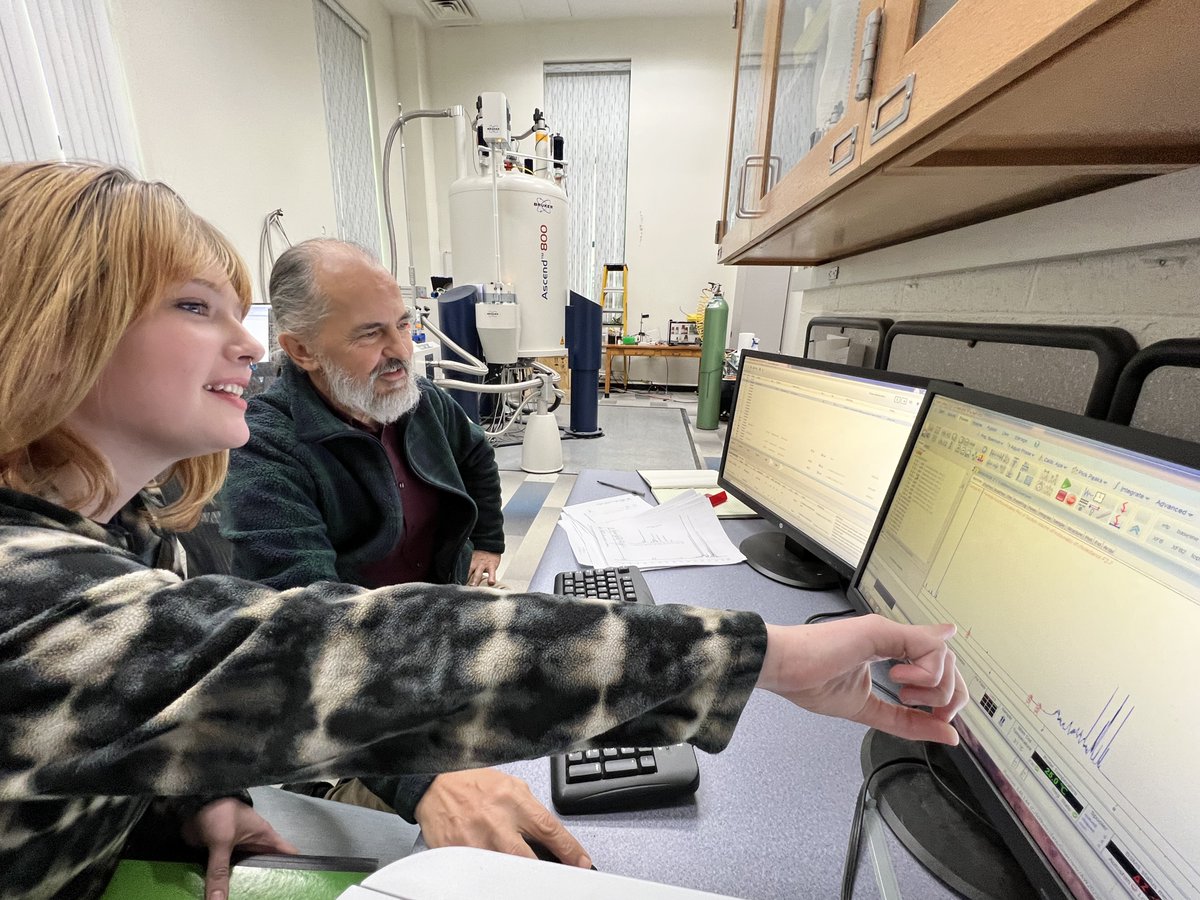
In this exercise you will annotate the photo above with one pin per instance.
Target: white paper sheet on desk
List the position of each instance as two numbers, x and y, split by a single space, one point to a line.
582 520
626 531
731 508
667 483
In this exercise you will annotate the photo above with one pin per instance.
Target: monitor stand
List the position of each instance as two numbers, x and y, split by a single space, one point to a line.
950 842
780 558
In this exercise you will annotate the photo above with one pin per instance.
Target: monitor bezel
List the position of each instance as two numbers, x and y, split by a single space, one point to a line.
845 569
1025 848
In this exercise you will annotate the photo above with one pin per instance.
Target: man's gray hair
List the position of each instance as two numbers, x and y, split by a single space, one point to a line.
297 300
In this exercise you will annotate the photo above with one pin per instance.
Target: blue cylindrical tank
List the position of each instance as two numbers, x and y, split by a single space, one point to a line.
456 317
583 356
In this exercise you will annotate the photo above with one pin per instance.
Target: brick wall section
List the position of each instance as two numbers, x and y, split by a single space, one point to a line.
1152 292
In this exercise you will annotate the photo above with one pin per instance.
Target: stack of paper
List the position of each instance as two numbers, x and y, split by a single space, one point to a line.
628 531
668 483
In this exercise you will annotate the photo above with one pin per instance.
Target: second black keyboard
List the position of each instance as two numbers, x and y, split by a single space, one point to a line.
608 779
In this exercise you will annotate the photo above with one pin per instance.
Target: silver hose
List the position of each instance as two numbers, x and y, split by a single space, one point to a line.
398 128
472 366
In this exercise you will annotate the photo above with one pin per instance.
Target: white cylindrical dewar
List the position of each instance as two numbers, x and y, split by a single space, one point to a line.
533 250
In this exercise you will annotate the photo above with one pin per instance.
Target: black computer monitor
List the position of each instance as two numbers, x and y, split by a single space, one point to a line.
812 447
1067 552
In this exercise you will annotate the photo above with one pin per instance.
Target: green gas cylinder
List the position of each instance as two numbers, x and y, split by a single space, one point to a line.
712 361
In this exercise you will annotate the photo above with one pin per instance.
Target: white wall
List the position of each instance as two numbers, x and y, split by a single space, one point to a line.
681 86
1128 257
761 306
227 102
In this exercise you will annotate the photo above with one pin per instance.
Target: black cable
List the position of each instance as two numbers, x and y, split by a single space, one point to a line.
953 793
833 614
854 846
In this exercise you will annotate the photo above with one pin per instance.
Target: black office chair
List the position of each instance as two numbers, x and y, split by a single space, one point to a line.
208 553
1159 389
1072 368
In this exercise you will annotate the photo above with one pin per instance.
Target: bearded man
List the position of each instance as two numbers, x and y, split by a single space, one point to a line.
360 471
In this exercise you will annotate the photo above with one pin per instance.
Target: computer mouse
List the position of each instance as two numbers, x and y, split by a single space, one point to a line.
544 853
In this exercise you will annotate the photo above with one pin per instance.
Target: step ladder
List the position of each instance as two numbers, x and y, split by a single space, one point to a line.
614 301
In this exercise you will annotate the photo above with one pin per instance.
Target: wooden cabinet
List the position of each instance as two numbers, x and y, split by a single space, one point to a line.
745 157
795 124
977 108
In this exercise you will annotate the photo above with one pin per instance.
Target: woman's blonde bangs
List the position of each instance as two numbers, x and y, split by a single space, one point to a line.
184 246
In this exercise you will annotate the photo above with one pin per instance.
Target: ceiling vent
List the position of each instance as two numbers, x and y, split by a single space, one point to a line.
451 12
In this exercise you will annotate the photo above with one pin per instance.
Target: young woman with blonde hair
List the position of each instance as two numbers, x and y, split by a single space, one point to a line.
124 359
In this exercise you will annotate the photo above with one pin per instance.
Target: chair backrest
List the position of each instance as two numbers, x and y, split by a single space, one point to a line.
863 332
208 551
1071 368
1159 389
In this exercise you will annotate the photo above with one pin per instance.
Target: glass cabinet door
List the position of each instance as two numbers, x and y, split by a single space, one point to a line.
746 186
928 13
814 80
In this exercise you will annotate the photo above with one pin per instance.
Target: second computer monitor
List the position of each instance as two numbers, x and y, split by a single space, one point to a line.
1067 552
812 447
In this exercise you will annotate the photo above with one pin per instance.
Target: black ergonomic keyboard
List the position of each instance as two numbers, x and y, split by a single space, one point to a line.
615 778
625 583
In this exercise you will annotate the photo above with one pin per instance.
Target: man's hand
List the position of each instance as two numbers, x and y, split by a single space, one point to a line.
223 825
483 568
826 668
488 809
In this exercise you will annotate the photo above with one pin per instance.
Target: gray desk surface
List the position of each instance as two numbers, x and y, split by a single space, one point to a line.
772 816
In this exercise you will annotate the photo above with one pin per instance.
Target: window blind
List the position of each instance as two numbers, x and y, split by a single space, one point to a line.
588 103
341 51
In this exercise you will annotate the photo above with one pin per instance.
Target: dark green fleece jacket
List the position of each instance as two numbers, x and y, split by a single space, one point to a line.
312 498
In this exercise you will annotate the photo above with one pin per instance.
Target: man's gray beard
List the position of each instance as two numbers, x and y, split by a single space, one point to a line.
360 396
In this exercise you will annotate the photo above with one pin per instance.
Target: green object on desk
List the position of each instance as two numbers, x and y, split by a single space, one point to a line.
137 879
629 339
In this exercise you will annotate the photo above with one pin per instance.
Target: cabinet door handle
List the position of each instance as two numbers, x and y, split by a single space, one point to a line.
870 50
755 161
774 163
739 209
851 138
879 129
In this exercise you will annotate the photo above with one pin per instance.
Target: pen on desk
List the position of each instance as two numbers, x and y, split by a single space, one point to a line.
619 488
